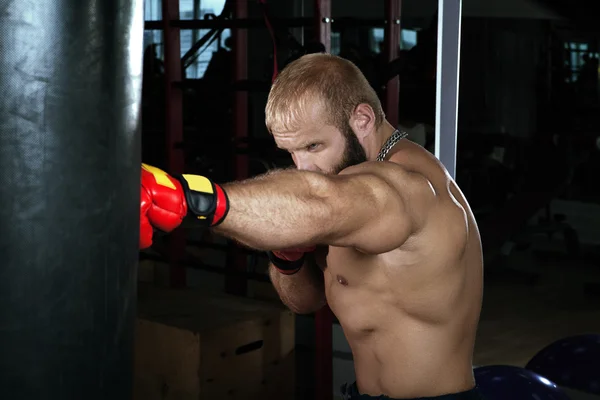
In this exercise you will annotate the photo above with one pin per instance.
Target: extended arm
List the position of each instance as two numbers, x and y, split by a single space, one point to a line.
373 207
362 208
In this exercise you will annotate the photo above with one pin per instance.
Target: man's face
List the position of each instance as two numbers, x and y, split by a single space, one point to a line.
317 146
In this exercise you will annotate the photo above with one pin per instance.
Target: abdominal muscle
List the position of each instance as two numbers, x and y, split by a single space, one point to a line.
396 352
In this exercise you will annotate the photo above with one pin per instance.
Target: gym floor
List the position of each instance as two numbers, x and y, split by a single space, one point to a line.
520 317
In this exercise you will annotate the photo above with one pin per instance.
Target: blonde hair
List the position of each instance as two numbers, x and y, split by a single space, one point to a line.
334 82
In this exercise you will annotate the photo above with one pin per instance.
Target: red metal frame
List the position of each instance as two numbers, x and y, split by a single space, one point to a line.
235 282
324 354
174 125
296 22
393 9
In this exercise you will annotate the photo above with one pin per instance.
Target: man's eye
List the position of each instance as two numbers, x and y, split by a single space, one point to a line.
312 147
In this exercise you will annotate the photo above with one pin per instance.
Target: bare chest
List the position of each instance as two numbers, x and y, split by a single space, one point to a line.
367 292
357 289
353 270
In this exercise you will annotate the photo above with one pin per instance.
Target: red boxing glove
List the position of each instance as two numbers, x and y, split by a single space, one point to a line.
146 230
167 200
291 260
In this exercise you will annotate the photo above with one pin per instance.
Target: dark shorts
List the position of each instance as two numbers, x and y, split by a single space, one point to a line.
350 392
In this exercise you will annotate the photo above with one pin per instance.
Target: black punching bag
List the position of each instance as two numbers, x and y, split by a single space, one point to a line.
70 88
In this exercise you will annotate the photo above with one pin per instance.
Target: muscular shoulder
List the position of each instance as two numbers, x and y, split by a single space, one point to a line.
451 208
413 188
393 173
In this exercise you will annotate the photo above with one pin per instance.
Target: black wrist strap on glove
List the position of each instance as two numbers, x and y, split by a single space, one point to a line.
207 202
284 266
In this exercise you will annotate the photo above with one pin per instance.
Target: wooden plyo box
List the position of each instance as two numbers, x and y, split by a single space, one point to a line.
191 346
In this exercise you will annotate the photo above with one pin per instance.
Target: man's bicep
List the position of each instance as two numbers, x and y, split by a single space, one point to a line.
379 214
379 221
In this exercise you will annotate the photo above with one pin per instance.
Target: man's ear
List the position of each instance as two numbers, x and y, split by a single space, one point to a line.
362 120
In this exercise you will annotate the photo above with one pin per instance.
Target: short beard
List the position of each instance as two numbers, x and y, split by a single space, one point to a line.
354 153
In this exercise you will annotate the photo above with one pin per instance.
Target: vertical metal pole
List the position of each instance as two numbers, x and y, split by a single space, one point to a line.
174 125
448 69
391 44
235 282
195 33
323 23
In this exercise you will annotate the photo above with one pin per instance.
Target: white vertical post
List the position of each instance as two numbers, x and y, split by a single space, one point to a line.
448 69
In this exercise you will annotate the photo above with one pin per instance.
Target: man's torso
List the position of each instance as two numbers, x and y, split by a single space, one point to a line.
410 315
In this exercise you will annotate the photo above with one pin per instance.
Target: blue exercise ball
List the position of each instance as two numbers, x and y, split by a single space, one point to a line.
572 362
504 382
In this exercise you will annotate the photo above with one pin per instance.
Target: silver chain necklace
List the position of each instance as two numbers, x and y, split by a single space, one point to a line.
391 142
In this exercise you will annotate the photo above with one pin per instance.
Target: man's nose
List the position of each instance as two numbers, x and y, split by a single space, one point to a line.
305 165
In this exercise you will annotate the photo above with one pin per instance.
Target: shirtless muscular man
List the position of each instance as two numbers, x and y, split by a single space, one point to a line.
402 267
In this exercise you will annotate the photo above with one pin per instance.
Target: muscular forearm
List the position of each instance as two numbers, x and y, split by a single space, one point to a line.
302 292
278 210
